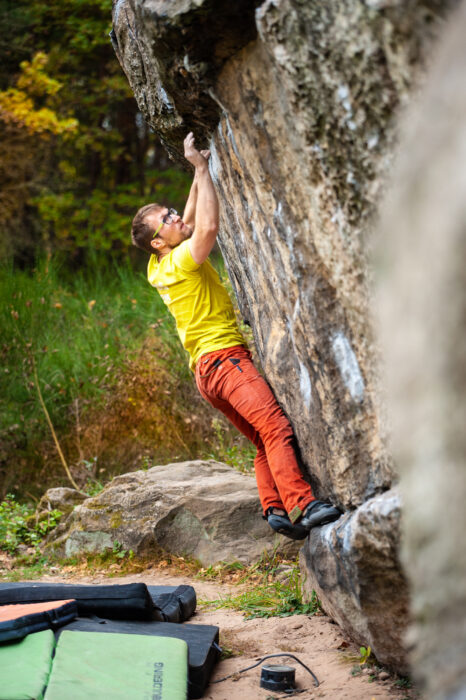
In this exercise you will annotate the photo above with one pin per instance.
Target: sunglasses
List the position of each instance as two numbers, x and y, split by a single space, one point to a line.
167 219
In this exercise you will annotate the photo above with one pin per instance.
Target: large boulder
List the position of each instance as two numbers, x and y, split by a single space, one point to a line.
298 101
206 510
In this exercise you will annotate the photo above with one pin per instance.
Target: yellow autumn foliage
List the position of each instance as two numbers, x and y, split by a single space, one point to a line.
17 104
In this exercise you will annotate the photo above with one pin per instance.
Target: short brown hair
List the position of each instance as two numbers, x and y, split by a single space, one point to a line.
141 232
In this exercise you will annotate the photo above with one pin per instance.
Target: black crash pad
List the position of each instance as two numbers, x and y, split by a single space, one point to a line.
177 603
132 601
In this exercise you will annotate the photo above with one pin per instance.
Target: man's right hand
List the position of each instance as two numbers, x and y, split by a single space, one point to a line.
192 154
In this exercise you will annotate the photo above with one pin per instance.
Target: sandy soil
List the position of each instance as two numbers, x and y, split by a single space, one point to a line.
316 641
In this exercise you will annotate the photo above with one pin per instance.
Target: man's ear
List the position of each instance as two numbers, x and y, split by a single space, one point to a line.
156 243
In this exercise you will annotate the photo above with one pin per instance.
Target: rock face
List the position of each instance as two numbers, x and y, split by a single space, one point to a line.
203 509
297 100
423 325
353 566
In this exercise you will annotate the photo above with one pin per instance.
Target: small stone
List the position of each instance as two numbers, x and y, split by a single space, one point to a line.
383 676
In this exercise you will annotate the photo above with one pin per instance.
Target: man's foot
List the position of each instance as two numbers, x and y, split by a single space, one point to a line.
318 513
280 522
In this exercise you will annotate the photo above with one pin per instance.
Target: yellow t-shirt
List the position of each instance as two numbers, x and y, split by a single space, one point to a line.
203 312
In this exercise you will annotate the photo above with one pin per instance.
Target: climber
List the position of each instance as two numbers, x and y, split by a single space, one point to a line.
225 375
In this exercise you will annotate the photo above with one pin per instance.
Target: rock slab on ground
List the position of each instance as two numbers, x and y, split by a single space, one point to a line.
203 509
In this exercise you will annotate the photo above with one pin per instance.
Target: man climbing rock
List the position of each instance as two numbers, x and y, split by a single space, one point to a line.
225 375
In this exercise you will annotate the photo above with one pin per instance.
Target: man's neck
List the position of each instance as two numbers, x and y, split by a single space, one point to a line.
163 253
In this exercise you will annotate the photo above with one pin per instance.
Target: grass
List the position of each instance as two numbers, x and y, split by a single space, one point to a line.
265 595
20 526
26 569
110 369
77 331
115 562
236 453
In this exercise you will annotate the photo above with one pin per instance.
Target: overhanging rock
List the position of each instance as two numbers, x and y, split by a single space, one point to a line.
298 101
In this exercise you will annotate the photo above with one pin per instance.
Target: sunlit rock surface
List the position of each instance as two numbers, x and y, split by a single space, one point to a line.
298 101
206 510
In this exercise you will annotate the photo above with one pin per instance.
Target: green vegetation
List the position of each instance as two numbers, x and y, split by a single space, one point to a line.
365 656
27 569
271 599
120 553
18 525
72 337
92 369
77 157
102 348
237 454
77 332
271 594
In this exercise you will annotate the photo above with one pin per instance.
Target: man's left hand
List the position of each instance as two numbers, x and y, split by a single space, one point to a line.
192 154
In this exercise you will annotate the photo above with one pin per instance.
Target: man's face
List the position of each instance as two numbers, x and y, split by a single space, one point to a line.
172 233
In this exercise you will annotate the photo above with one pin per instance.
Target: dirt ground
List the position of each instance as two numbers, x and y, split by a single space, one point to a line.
315 640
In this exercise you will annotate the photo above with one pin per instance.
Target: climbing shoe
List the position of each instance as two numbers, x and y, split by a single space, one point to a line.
318 513
283 525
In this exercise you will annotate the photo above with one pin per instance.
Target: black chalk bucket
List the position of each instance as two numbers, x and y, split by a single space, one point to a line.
277 677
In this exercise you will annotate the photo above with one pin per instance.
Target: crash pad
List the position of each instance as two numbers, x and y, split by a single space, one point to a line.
16 621
93 666
202 641
25 666
133 601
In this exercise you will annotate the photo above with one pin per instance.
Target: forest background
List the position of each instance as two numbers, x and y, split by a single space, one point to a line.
93 380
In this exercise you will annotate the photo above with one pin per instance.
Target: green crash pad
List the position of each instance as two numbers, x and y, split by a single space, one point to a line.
93 666
25 666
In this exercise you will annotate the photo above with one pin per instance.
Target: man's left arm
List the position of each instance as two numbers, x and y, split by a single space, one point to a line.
189 214
207 216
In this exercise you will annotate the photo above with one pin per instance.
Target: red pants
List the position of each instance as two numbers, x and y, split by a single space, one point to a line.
230 382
